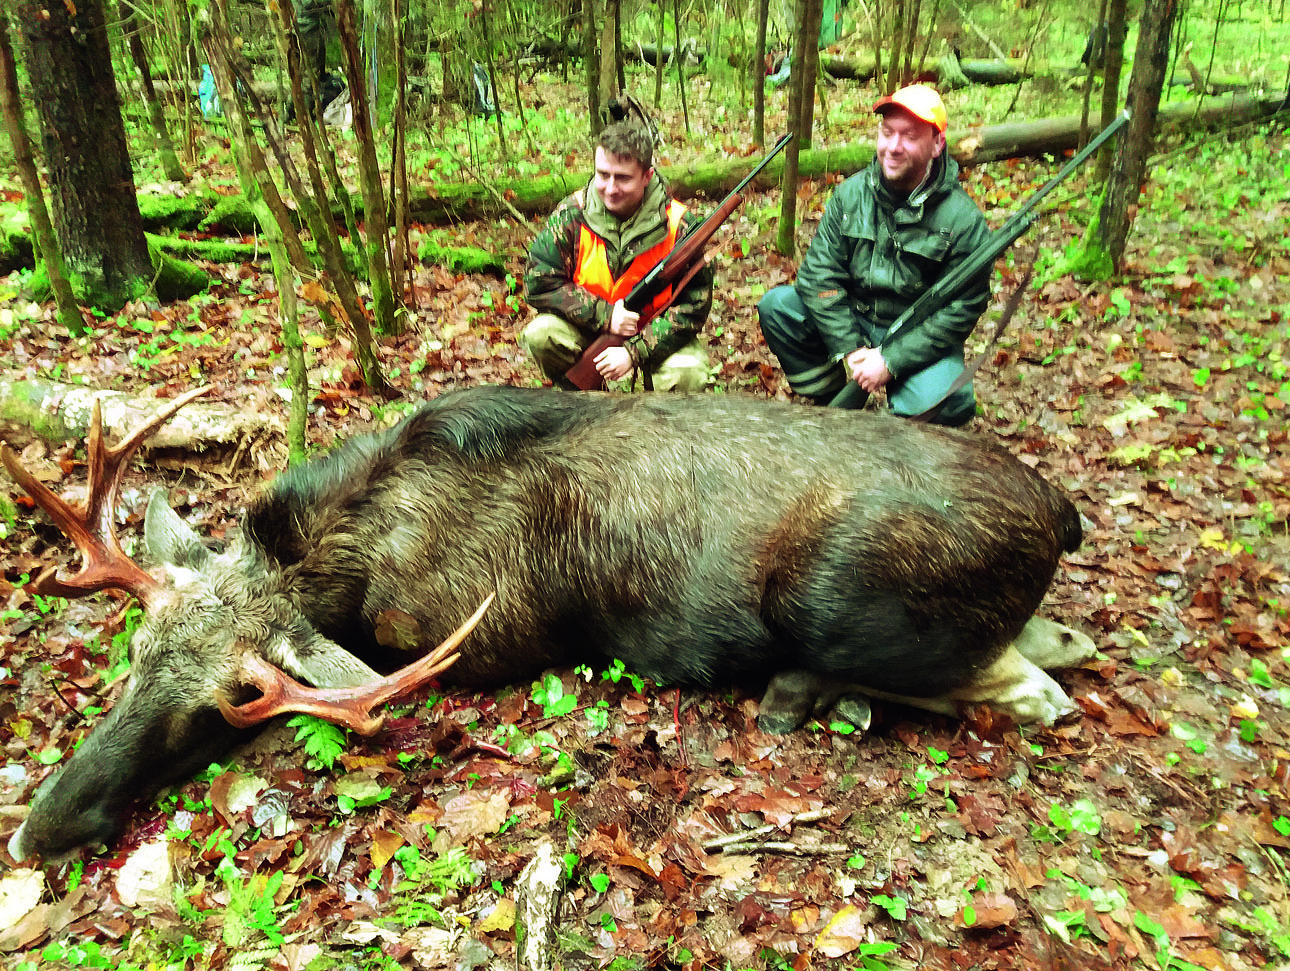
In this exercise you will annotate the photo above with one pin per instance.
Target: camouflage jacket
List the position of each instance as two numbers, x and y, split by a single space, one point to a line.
553 259
874 255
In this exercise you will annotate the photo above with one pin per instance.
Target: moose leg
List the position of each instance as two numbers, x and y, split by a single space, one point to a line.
1018 687
1012 685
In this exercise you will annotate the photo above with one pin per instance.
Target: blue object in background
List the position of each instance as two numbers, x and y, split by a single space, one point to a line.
207 96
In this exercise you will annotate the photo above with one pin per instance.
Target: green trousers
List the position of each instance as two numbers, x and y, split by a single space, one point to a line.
555 344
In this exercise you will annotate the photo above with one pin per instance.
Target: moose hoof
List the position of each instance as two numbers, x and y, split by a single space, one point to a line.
855 710
790 698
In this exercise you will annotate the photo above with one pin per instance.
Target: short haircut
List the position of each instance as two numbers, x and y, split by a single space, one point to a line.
628 140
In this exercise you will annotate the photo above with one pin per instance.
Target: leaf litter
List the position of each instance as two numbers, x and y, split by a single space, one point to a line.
1149 831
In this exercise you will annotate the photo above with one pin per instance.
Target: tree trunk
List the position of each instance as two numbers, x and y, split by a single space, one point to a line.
973 146
1102 253
96 215
808 44
786 237
1116 29
608 82
758 73
69 312
55 413
591 66
376 223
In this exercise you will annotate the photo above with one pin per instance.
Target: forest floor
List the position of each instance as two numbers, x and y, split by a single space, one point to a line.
1150 831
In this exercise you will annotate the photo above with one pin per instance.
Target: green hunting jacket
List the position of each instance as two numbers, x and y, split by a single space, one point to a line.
874 254
553 259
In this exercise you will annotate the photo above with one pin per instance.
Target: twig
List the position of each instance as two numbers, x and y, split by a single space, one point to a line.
739 839
800 849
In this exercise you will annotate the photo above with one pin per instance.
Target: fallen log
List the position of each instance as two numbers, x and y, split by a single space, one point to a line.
1050 136
220 437
978 71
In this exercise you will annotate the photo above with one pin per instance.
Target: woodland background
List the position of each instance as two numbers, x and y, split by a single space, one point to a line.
1150 832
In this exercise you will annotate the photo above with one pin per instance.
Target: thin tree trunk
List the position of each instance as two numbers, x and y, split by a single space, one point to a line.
261 191
486 32
911 40
758 73
809 44
1113 62
1102 251
608 79
377 234
69 313
785 239
398 160
1150 63
591 66
1090 72
679 57
310 203
658 57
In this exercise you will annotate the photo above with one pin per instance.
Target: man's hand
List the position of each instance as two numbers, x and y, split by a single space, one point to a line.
614 363
622 322
868 369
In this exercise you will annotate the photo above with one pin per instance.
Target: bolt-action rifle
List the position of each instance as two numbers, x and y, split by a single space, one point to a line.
946 289
675 271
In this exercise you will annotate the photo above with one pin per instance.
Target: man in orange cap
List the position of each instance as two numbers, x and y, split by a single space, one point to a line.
888 234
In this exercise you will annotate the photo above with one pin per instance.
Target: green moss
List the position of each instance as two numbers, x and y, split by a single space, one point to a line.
176 279
1089 260
434 249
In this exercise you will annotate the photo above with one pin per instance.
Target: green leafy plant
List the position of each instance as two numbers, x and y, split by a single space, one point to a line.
869 954
549 693
1081 817
251 908
897 908
323 741
1165 958
618 670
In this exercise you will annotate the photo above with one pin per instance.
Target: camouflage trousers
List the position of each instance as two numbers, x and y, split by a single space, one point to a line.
554 344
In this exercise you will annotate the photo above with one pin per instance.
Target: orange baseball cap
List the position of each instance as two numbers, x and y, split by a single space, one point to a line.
919 100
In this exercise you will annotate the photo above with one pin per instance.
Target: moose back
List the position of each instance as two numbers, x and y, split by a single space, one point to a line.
699 539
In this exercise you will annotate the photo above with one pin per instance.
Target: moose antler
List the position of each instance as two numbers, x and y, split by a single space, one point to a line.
349 707
91 524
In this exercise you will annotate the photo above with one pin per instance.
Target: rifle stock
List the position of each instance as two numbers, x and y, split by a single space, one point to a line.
948 288
675 270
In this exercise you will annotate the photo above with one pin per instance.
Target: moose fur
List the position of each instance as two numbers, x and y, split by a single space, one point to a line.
699 539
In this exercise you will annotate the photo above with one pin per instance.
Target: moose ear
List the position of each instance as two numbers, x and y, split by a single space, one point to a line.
169 538
320 662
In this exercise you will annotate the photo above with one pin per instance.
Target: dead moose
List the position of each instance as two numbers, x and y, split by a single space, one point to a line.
698 539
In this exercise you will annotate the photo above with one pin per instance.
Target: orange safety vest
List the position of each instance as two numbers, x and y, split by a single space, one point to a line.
593 272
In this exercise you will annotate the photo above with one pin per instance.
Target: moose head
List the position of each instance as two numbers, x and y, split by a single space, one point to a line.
200 669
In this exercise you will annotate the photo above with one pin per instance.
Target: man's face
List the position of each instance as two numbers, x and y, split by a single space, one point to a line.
620 182
906 147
